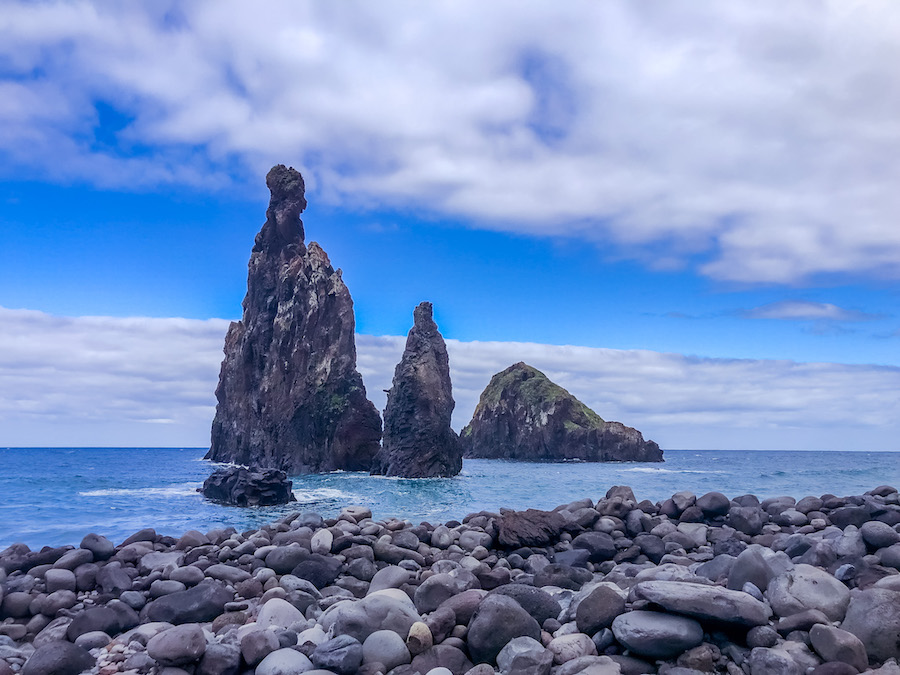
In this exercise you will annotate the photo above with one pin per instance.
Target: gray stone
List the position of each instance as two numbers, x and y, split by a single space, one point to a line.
498 620
278 612
746 519
440 587
834 644
177 646
524 656
385 610
751 567
58 658
284 662
257 645
60 580
656 635
160 561
879 535
565 648
203 602
93 639
598 609
385 647
773 661
220 659
227 573
189 575
535 601
72 559
342 655
162 587
391 576
94 619
100 546
874 617
441 659
710 603
806 587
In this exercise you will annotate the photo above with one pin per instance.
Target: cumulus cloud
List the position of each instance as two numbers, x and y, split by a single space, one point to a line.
803 310
146 382
755 141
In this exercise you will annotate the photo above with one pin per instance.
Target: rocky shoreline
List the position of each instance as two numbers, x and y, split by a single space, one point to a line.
686 586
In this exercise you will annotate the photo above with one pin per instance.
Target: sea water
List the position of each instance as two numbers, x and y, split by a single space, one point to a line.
54 496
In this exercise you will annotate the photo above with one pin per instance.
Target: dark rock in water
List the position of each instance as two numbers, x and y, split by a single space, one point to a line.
242 487
418 440
523 415
289 394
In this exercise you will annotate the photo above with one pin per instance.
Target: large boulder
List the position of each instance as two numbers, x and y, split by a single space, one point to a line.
523 415
806 587
383 610
498 620
874 617
707 603
238 486
58 658
418 440
203 602
289 394
657 635
529 528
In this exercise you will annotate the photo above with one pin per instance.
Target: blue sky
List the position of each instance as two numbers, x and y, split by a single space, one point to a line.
706 181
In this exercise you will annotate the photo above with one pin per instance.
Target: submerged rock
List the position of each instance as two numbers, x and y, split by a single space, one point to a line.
242 487
523 415
289 394
418 440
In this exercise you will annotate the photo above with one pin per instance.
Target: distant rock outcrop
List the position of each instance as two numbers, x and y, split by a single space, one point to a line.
418 440
523 415
289 394
238 486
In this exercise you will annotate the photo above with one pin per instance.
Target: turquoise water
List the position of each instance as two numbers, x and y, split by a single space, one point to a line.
54 496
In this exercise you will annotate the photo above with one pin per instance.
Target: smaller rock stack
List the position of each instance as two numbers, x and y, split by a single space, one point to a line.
418 441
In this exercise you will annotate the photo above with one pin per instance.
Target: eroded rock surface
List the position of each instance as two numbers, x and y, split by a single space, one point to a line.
238 486
289 394
418 440
523 415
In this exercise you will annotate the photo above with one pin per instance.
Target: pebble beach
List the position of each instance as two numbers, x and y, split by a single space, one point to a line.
688 585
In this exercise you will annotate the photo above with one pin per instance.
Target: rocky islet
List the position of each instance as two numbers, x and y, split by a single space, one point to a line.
523 415
685 586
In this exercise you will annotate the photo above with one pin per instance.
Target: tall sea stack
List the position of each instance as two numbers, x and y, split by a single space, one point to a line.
523 415
289 394
418 440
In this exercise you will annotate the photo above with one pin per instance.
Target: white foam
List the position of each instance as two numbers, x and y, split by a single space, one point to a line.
644 469
177 490
320 494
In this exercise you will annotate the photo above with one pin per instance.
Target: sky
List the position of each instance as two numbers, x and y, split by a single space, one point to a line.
684 212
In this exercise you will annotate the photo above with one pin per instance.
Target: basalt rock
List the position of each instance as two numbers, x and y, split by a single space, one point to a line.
242 487
523 415
289 394
418 440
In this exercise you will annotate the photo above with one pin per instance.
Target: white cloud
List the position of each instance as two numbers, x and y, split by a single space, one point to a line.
760 138
804 310
146 382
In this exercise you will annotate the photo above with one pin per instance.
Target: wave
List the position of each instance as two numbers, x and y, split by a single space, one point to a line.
177 490
644 469
320 494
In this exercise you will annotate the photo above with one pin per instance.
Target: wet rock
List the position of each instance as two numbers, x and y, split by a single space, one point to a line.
418 441
289 395
529 528
523 415
239 486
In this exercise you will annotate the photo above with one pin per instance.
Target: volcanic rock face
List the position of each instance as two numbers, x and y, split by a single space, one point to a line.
523 415
289 394
418 440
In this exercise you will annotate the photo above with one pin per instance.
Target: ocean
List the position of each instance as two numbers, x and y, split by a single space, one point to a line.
54 496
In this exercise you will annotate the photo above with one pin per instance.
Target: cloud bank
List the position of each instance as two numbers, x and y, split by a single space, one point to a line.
752 141
87 381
